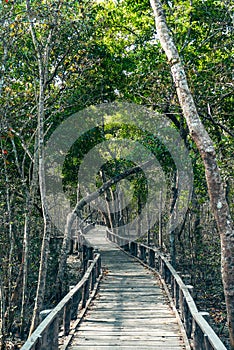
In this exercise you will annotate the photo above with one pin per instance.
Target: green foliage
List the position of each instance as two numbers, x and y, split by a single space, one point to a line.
104 51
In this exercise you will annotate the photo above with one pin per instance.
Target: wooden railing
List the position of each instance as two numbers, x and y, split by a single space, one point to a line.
45 336
200 334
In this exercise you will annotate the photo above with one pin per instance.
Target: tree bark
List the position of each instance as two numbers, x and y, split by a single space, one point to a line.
30 198
107 199
206 149
46 218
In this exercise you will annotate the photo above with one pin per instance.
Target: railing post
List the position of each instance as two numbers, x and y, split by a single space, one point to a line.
93 277
156 266
67 318
72 243
151 257
167 275
86 287
142 253
126 245
75 304
84 257
90 253
98 267
162 268
207 343
181 304
95 272
188 320
85 293
133 248
49 339
198 338
173 286
176 293
53 332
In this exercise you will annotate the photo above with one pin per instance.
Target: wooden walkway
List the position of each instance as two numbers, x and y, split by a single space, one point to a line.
130 311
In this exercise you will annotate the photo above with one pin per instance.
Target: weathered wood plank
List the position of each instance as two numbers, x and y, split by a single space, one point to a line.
125 331
118 347
121 341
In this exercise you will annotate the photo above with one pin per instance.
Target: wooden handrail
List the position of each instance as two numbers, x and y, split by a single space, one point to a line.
45 336
198 330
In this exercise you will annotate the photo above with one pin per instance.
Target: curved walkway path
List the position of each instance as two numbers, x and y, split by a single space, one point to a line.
130 310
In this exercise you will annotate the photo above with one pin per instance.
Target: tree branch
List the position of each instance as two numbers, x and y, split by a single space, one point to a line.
94 195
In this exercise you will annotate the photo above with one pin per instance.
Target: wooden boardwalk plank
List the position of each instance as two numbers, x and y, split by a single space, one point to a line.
131 310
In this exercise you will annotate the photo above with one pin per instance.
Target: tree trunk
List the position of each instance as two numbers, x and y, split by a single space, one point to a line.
113 210
43 53
46 218
107 199
30 197
206 149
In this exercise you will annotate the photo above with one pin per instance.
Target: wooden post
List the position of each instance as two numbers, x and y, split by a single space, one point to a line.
53 334
93 278
188 319
85 293
84 257
90 253
181 304
143 253
67 318
151 258
173 286
207 343
126 245
198 337
86 288
176 293
157 263
167 275
49 339
162 268
133 248
95 272
71 246
75 304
